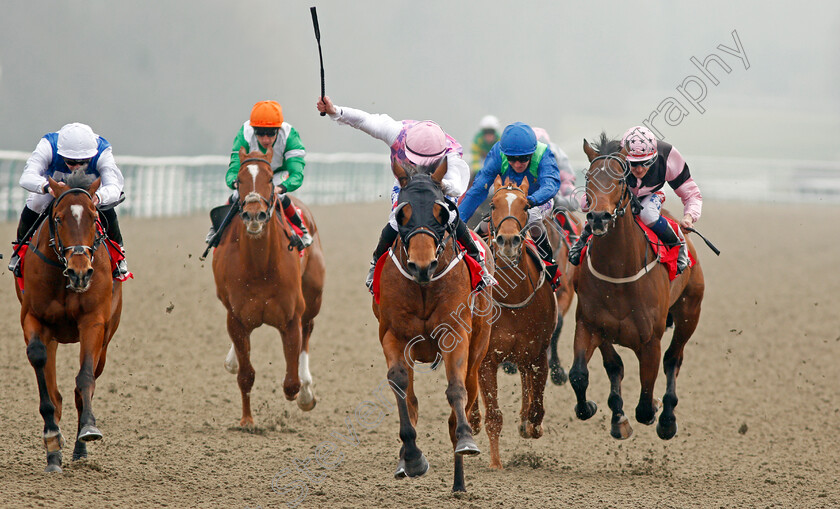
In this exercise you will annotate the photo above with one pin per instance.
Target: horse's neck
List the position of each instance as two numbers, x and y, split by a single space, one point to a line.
259 253
622 251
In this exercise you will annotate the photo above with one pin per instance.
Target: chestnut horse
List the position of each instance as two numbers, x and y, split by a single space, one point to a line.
426 313
528 316
260 280
625 299
70 297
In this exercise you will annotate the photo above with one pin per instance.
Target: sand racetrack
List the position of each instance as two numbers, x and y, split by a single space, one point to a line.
758 412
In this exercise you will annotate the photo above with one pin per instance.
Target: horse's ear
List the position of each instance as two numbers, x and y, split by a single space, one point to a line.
242 153
590 152
440 171
93 187
269 154
497 183
525 186
399 173
54 186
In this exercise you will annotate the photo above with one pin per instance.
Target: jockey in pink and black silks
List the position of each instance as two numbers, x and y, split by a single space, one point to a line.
652 164
413 143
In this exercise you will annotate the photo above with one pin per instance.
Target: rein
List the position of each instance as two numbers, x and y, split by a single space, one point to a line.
619 211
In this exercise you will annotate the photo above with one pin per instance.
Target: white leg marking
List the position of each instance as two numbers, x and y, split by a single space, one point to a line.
77 210
231 362
306 398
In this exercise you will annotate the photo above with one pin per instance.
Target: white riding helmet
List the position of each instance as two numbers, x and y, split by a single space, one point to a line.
77 141
489 122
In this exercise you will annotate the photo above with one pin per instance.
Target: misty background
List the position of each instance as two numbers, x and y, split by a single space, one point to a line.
178 78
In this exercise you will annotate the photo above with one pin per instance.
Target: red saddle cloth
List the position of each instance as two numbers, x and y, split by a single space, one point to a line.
569 228
114 252
667 255
472 265
534 251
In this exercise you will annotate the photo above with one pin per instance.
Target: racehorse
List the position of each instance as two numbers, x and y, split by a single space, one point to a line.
69 296
626 300
528 316
260 280
427 313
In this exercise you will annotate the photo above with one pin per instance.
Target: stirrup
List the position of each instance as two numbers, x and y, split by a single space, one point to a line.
121 271
295 242
306 239
210 235
369 279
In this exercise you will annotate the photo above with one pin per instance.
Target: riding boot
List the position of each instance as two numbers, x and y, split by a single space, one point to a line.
27 220
662 228
547 255
577 248
114 233
386 239
462 234
294 217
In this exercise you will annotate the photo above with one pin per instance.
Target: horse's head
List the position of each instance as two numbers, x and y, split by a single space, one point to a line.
606 190
73 228
422 215
256 190
508 216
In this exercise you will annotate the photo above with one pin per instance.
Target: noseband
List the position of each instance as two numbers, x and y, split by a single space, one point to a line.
58 246
254 196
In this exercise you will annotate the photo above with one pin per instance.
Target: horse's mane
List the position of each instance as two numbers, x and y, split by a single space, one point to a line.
606 146
79 180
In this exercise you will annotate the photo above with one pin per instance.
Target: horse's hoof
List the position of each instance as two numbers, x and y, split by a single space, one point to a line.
496 464
79 450
53 462
466 446
246 422
559 375
509 368
622 430
587 411
417 467
54 468
666 431
89 433
400 473
306 399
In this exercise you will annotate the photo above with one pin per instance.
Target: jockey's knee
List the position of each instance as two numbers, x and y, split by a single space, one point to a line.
649 216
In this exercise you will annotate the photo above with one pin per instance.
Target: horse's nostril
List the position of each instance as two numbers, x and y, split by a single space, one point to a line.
246 216
411 266
262 216
499 240
88 274
516 241
433 265
589 216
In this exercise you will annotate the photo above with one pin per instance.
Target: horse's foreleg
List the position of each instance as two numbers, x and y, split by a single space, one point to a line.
532 426
620 426
306 401
240 336
493 417
460 432
648 356
558 374
412 462
91 338
579 374
39 357
685 322
292 352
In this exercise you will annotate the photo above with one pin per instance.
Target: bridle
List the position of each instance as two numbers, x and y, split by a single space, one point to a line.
254 196
620 209
58 246
493 228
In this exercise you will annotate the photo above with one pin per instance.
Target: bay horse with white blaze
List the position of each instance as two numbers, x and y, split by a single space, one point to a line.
527 318
426 313
625 298
69 296
260 280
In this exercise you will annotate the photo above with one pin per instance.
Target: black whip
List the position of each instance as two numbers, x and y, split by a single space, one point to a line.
711 246
320 55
